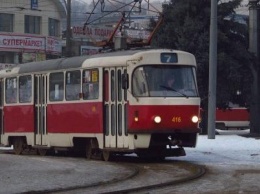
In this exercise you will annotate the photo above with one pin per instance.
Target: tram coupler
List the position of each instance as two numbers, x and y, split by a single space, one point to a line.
175 142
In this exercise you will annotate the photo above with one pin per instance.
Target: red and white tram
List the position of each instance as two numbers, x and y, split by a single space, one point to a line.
107 103
232 117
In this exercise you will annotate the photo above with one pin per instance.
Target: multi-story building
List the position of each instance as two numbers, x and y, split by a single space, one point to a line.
30 30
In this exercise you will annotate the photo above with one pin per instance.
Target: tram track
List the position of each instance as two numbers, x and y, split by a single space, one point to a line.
134 172
143 177
200 171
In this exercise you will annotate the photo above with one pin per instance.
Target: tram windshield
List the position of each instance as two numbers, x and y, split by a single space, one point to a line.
164 81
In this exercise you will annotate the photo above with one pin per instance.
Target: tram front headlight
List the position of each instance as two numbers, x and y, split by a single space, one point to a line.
195 119
157 119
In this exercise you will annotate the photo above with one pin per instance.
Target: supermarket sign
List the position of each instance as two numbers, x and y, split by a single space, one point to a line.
34 43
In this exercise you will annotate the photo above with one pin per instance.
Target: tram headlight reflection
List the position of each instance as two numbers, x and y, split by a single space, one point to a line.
157 119
195 119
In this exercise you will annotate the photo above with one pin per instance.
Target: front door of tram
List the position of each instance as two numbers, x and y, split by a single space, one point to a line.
1 109
115 103
40 97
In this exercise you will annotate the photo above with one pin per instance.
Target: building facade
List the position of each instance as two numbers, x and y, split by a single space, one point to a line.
30 30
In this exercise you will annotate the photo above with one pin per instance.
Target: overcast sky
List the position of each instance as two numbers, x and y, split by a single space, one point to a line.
241 10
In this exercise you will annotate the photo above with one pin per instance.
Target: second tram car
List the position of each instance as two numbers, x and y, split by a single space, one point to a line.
112 103
232 118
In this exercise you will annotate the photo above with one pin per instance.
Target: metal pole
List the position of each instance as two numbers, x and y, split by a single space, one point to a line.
68 33
212 70
254 36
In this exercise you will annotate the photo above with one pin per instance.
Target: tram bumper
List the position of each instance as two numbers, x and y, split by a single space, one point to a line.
174 152
154 152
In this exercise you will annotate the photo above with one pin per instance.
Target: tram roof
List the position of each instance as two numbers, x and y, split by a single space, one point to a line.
97 60
64 63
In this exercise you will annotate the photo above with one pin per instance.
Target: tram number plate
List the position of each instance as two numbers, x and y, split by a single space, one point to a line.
176 119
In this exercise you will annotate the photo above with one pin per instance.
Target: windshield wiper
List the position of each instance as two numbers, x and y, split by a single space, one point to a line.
172 89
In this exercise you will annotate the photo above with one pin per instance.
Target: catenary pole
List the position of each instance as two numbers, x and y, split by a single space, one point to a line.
68 31
254 48
212 70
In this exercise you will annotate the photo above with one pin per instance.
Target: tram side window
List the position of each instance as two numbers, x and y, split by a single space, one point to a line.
56 90
25 89
90 84
72 85
140 86
11 90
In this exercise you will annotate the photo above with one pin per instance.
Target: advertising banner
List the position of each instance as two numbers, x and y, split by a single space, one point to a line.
53 45
89 50
92 32
103 33
50 45
31 57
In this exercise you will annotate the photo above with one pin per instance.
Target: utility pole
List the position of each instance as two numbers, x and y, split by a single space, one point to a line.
212 70
68 31
254 38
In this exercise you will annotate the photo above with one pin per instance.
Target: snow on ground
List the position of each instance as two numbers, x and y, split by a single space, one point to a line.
232 162
227 146
6 148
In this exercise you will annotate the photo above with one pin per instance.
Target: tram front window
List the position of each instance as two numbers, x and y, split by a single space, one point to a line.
164 81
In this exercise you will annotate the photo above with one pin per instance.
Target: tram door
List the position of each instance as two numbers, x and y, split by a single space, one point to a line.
40 99
1 108
115 99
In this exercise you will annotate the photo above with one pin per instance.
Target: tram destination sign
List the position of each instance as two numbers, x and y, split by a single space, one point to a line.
169 58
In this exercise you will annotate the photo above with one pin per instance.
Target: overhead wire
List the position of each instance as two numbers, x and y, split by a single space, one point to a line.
47 3
119 6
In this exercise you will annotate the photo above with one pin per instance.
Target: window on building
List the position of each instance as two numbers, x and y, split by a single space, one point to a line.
2 58
6 22
56 91
32 24
90 85
72 85
53 27
25 89
11 90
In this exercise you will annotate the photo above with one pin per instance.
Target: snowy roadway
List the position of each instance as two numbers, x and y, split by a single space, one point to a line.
233 164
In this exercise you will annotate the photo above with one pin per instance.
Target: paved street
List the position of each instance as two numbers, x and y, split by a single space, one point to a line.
232 162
